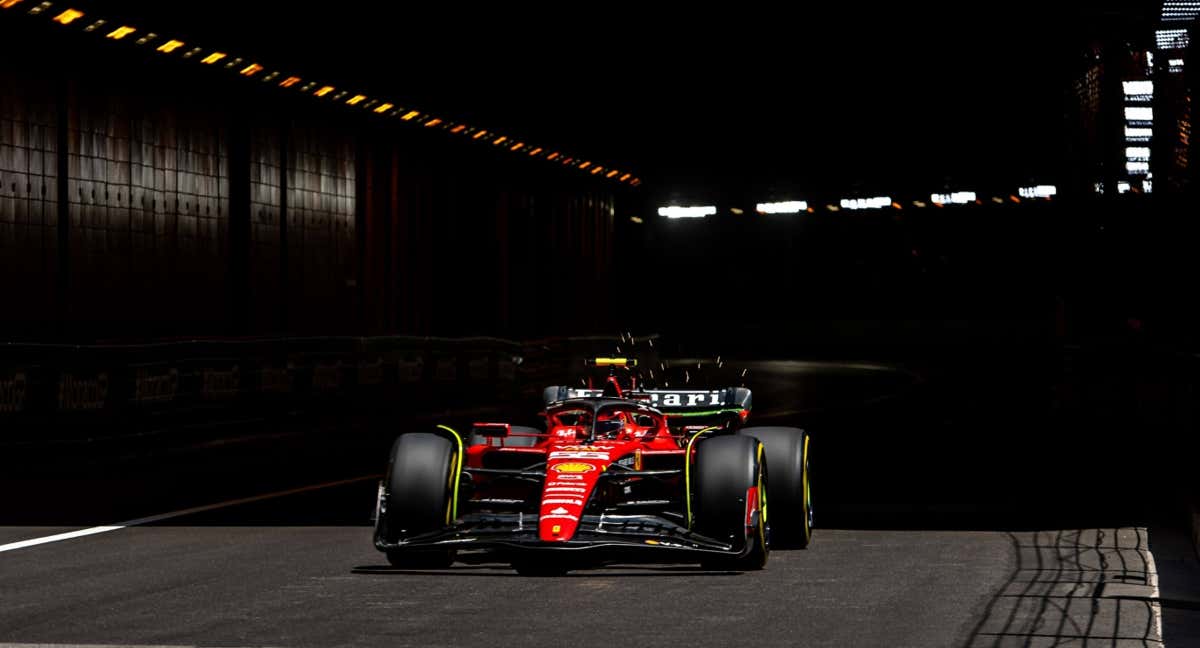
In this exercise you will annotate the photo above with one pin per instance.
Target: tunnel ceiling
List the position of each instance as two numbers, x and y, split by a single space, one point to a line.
856 98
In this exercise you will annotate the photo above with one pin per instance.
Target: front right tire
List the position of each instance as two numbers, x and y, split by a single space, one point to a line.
728 471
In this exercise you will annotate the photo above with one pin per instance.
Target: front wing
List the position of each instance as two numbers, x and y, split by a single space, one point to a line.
651 536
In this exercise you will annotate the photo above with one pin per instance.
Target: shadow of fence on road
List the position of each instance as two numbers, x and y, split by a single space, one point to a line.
1087 587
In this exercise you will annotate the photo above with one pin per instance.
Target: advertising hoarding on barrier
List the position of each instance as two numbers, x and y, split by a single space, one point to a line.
65 392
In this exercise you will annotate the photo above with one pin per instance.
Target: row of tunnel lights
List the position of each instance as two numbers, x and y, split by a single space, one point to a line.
1042 192
251 69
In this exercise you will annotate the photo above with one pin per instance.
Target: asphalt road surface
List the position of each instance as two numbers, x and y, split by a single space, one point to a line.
934 564
288 572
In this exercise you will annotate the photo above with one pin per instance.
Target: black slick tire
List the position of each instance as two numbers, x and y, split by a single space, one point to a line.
791 487
420 483
726 469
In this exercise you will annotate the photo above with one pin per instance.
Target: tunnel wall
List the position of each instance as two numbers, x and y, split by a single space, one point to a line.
29 227
142 198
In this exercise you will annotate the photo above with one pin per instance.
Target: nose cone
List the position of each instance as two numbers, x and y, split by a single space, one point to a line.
571 475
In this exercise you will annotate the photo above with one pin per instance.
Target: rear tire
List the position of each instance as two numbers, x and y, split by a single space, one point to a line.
726 468
791 489
420 482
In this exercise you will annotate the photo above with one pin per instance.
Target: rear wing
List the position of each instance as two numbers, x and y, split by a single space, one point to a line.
672 402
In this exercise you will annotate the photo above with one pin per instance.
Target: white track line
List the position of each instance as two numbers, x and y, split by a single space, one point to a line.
32 542
1155 594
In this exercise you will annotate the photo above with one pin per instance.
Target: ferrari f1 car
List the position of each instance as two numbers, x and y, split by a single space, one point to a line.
617 475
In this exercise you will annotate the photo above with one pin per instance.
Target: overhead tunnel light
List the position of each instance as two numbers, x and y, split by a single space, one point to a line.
1171 39
955 198
1136 134
877 202
1135 88
1139 113
272 75
69 16
675 211
783 207
1180 10
1038 191
120 32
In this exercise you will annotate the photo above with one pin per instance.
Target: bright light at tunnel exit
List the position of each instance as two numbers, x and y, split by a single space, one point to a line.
675 211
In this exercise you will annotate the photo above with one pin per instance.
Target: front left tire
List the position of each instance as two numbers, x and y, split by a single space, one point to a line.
418 497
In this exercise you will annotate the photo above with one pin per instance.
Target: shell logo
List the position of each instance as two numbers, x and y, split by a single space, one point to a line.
573 468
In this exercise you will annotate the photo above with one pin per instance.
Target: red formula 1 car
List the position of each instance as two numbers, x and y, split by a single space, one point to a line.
613 477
